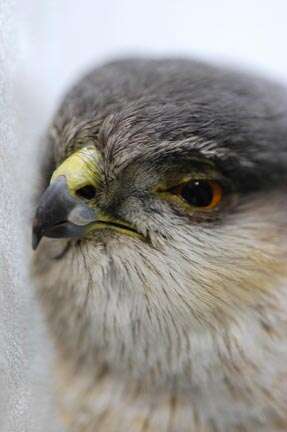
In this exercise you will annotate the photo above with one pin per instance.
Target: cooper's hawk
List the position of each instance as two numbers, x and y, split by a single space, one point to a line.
165 283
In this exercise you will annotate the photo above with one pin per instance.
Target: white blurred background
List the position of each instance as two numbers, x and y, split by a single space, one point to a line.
44 46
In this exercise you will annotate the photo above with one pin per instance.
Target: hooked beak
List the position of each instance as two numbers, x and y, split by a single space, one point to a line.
60 214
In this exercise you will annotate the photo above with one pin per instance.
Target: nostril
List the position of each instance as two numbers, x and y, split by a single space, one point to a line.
87 192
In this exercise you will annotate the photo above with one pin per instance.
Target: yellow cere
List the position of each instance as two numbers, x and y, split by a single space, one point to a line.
80 169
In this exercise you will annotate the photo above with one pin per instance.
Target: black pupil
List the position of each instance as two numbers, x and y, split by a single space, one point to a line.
197 193
87 192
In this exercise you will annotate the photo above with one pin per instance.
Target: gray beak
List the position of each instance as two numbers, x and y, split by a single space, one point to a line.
59 214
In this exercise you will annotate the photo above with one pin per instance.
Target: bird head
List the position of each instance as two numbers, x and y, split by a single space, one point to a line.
167 201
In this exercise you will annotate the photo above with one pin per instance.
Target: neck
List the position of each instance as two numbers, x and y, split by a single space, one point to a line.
123 356
219 380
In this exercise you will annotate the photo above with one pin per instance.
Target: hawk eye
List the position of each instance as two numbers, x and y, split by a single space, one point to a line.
205 194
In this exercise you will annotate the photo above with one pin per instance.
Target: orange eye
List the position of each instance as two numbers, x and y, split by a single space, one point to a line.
205 194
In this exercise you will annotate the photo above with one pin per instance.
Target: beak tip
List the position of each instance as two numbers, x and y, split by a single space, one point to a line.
36 237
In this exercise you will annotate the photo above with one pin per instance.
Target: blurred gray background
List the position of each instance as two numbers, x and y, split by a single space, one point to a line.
44 46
